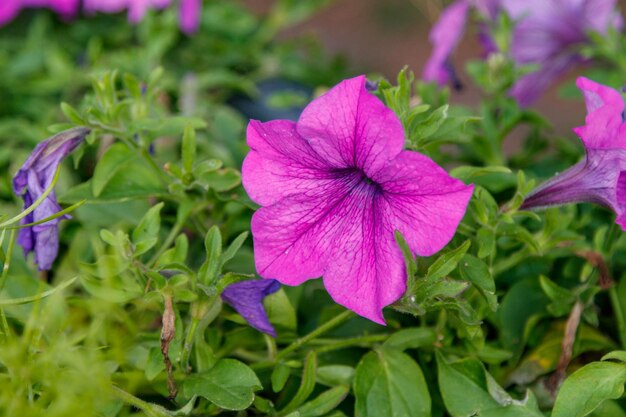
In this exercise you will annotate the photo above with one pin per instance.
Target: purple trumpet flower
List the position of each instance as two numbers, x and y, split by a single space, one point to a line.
334 187
246 298
30 182
600 177
546 33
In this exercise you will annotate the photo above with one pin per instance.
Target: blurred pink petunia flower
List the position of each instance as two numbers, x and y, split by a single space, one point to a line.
334 186
189 10
9 9
546 33
137 9
600 177
189 15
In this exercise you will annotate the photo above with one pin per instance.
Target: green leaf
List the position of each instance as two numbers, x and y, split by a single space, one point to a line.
468 390
114 159
280 374
135 180
544 358
409 258
486 242
587 388
523 301
411 338
146 233
325 402
562 299
213 248
429 126
333 375
220 180
555 292
280 311
306 385
230 384
617 355
477 272
37 297
154 363
72 114
447 262
232 249
468 173
112 291
389 383
189 149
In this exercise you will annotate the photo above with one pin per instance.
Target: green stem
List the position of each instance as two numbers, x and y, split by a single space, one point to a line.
7 260
171 237
353 341
160 173
150 410
619 315
191 334
329 325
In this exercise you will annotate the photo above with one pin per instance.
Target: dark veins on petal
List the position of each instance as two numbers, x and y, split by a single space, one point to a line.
357 182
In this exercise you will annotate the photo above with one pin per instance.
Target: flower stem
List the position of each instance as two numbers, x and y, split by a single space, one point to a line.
168 241
353 341
7 260
150 410
329 325
191 334
619 315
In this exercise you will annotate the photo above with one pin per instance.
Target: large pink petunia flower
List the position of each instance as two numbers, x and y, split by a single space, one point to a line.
333 189
600 177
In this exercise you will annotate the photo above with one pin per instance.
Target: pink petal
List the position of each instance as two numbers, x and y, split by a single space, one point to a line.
598 95
604 126
105 6
292 237
340 231
367 271
9 9
350 127
137 10
280 163
425 204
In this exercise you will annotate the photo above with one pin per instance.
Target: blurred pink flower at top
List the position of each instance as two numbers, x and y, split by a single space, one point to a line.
545 33
445 36
189 15
334 187
9 9
600 177
136 8
189 10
